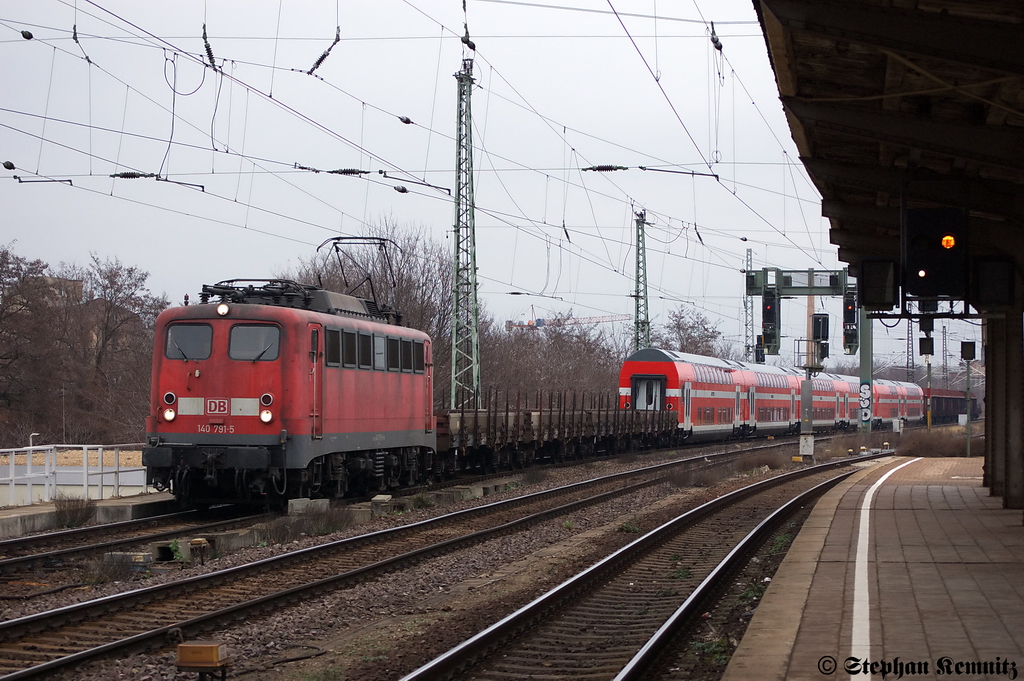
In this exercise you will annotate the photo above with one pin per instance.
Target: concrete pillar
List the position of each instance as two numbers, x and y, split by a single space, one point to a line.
995 407
1014 488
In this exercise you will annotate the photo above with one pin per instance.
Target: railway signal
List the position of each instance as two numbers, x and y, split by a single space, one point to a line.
935 252
770 319
851 330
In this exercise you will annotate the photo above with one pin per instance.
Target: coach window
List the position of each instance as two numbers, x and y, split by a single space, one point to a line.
394 354
254 342
348 348
380 350
365 351
332 347
189 341
418 361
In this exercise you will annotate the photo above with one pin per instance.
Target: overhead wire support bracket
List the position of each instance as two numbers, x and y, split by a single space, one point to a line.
679 172
193 185
422 184
24 180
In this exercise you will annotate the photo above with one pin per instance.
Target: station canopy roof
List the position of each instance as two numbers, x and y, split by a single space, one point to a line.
914 101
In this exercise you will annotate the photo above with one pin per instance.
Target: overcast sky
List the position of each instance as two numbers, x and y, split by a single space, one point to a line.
559 88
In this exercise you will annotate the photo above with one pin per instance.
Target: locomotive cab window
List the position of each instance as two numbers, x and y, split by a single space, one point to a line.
254 342
189 341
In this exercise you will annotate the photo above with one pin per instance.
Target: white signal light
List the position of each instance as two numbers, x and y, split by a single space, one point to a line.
222 309
266 416
169 414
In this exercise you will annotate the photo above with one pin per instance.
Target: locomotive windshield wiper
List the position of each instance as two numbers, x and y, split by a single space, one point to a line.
263 352
183 355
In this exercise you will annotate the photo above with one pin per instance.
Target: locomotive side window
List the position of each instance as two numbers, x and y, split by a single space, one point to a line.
406 355
348 347
417 357
365 351
332 347
189 341
394 354
254 342
380 362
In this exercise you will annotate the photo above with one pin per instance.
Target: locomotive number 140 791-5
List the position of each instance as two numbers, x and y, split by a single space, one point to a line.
215 428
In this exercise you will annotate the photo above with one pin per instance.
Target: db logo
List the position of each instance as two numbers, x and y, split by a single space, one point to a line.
217 405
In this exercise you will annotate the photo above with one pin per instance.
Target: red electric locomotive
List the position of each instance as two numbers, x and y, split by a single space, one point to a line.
719 398
278 390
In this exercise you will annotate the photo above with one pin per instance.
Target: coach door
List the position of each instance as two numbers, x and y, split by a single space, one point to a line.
686 405
751 405
648 393
316 381
737 414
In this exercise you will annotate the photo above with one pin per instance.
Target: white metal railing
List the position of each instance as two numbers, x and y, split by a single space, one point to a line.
47 476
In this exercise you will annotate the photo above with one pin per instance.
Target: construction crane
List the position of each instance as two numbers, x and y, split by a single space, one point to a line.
565 321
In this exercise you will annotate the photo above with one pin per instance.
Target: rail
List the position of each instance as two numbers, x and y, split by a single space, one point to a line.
24 471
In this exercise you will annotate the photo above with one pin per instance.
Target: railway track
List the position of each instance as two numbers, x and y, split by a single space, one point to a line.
36 551
36 645
612 620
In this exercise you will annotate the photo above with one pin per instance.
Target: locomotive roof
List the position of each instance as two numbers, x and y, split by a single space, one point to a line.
659 355
286 293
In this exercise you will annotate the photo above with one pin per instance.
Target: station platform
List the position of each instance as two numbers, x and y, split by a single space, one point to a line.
16 521
931 586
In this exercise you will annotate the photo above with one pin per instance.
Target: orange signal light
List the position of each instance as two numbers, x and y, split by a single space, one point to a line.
948 241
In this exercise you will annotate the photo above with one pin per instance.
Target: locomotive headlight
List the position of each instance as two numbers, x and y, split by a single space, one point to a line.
169 414
170 398
222 309
266 416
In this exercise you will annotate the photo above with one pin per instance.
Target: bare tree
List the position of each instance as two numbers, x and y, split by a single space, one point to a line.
108 341
75 351
689 331
845 367
560 356
26 347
